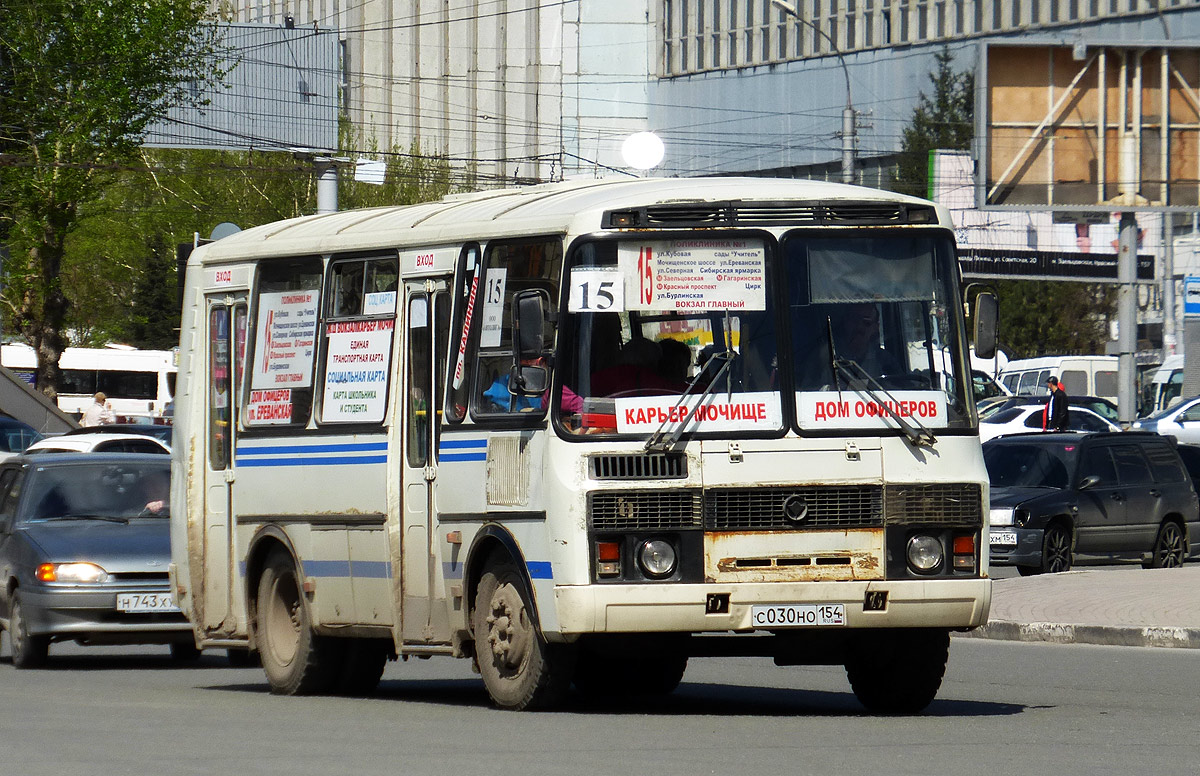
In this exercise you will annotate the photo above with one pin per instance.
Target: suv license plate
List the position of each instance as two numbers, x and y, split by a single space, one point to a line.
797 615
1004 537
145 602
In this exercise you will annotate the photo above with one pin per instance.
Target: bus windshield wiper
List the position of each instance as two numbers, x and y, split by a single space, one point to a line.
858 379
665 441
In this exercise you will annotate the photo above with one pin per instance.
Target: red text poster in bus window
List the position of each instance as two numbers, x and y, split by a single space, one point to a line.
851 409
286 340
356 370
758 411
270 407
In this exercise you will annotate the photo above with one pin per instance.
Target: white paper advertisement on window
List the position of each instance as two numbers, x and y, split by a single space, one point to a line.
694 274
285 340
356 371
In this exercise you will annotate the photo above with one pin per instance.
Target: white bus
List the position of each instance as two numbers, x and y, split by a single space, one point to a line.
581 433
138 383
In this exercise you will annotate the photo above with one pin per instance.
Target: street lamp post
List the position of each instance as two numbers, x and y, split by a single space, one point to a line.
849 124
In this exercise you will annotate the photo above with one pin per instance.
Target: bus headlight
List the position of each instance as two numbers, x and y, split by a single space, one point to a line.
925 553
657 558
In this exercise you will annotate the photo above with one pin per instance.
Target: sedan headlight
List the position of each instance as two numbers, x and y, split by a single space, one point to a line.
1001 517
71 572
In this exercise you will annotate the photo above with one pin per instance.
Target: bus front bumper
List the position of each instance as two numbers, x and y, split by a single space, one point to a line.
674 608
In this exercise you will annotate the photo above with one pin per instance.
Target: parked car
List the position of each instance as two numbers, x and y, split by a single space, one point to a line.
15 436
84 549
1102 407
99 443
1181 421
1028 417
158 431
1058 499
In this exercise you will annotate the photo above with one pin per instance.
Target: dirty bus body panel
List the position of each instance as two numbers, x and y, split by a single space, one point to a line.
582 432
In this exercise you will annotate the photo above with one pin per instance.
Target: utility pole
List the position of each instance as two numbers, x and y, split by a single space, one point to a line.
849 131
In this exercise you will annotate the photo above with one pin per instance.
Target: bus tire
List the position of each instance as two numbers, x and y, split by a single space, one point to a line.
519 669
28 650
898 671
362 667
295 660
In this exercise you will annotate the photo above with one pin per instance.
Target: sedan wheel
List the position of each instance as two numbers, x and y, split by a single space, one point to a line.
28 651
1170 549
1056 549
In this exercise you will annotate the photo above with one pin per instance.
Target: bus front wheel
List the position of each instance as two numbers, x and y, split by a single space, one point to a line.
295 660
519 669
898 671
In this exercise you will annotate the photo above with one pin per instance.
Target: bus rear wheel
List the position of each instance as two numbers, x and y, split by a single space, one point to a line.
898 671
519 669
295 660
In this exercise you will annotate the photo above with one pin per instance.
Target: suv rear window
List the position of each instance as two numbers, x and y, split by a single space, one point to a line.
1164 462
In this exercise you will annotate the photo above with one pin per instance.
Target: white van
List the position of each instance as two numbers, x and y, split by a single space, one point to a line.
1167 384
1079 375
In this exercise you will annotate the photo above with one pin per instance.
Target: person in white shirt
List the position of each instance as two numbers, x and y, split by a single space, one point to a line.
100 413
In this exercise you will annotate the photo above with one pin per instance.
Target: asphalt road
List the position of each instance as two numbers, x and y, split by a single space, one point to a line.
1004 708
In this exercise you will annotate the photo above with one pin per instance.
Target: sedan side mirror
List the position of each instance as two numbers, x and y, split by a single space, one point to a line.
1089 481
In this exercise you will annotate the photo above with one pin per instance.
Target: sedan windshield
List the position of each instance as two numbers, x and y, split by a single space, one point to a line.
98 490
1029 465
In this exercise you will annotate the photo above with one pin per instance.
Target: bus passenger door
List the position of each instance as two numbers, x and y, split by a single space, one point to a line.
427 323
226 351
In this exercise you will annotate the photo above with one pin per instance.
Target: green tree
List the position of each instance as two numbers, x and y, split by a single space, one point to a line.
119 264
945 121
82 80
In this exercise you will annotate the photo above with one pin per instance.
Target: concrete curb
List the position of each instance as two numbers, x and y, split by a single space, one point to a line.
1059 633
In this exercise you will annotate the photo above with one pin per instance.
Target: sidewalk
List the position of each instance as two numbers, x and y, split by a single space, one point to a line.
1128 607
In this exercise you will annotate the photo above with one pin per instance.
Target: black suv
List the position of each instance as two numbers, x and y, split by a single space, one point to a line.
1058 499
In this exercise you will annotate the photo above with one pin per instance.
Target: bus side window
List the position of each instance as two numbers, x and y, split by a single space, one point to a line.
509 267
357 339
283 343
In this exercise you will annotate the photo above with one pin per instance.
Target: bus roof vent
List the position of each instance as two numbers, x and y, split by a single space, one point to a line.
739 213
639 466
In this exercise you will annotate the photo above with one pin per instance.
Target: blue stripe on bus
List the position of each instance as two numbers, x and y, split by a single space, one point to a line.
359 569
451 444
539 569
327 568
361 447
448 457
309 461
370 569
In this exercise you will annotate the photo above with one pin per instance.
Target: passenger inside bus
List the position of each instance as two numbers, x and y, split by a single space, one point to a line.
856 337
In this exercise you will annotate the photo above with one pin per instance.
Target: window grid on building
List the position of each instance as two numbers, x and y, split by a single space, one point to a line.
707 35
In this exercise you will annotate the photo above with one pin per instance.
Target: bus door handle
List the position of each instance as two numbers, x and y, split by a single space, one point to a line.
230 476
430 473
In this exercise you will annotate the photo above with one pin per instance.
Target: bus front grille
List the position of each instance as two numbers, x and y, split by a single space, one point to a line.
952 503
790 508
644 510
639 466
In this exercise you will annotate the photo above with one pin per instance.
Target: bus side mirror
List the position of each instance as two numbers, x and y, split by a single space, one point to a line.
987 313
529 321
530 377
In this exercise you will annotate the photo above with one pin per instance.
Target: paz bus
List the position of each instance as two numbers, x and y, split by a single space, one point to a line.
581 433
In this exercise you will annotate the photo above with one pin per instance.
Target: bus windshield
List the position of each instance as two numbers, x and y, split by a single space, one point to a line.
689 335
